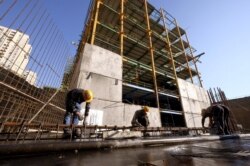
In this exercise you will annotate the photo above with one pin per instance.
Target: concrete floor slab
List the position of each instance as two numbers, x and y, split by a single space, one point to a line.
223 153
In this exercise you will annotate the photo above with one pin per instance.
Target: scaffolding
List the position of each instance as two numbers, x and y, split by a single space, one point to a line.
154 48
155 52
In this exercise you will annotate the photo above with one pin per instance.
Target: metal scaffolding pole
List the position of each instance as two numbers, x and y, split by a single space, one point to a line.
182 45
152 54
137 42
87 23
95 21
122 26
168 47
192 55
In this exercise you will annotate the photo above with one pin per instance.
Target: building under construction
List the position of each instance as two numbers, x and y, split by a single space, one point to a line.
130 55
134 54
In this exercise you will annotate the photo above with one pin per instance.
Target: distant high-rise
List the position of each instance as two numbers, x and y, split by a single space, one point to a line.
14 52
30 76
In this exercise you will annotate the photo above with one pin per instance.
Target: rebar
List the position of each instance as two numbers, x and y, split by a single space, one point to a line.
33 71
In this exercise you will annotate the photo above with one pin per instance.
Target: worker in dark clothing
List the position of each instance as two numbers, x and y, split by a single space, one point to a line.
226 119
218 118
140 118
73 102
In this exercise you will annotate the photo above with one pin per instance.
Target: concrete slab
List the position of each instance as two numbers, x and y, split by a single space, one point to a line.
101 61
193 99
121 114
222 153
53 146
101 71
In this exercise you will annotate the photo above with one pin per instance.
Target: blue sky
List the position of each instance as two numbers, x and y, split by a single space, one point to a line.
217 27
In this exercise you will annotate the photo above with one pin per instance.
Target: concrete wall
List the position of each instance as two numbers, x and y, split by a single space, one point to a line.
121 114
193 99
101 71
241 109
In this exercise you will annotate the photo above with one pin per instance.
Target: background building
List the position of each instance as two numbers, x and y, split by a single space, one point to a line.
30 76
14 52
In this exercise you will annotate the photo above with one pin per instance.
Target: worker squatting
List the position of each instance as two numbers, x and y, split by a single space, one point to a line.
218 114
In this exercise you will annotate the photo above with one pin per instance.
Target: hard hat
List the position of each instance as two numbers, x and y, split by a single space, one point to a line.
145 108
88 95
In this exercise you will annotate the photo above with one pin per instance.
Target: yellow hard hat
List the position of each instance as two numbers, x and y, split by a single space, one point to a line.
145 108
88 95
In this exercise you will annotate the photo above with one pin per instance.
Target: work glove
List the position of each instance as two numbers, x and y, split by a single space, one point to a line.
80 117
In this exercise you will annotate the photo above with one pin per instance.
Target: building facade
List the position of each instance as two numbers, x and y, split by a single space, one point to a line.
132 54
14 52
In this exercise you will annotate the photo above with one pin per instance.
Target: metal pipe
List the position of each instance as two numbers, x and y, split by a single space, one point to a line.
179 33
122 26
139 43
32 148
146 67
95 22
168 47
152 55
159 36
192 55
87 25
149 90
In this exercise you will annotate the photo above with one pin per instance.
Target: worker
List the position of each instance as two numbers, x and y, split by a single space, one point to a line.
218 118
140 118
226 119
73 102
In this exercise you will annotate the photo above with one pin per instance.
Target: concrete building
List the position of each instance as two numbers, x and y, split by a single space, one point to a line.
14 51
30 76
132 54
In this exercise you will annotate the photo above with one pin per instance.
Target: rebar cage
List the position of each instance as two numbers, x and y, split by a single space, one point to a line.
33 58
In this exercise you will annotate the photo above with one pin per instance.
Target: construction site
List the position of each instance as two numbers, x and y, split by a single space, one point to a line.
131 56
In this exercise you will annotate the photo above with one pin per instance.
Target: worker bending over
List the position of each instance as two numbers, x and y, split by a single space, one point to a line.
140 118
73 102
218 115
